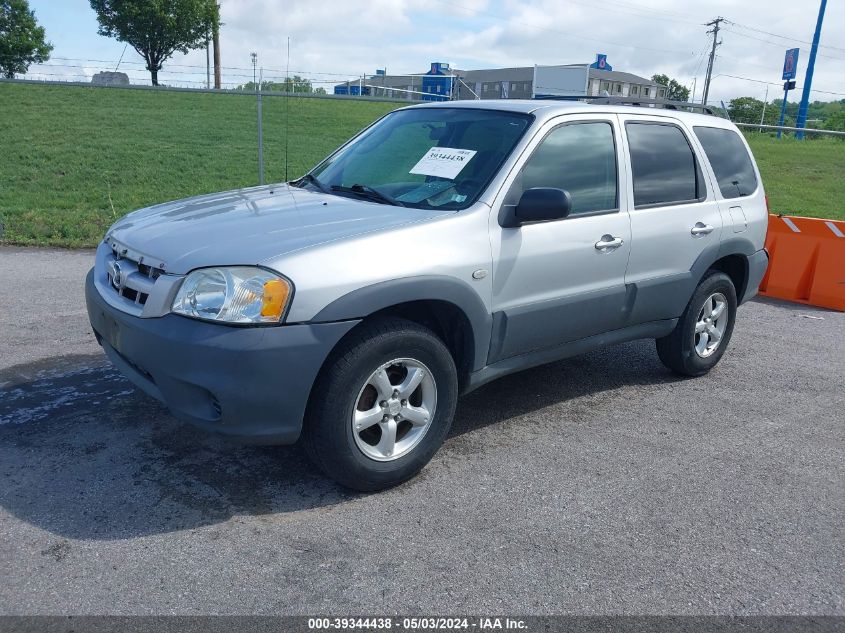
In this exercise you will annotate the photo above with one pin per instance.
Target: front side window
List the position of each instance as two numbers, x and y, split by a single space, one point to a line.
663 165
730 161
579 158
429 158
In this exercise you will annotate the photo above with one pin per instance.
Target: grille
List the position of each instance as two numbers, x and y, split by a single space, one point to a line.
130 279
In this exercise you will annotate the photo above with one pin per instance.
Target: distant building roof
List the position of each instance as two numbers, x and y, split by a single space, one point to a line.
484 75
616 75
519 73
526 73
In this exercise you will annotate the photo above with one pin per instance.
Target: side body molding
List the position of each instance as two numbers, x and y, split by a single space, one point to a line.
666 297
369 299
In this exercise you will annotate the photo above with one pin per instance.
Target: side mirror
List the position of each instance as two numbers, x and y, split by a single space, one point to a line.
539 204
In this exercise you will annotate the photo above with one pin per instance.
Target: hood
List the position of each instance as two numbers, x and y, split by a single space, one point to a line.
249 226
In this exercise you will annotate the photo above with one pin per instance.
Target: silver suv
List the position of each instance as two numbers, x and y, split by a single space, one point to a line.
443 247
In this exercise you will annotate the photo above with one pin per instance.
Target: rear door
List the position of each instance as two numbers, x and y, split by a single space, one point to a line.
563 280
737 187
675 218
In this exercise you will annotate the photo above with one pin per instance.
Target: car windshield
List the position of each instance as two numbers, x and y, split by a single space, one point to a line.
426 158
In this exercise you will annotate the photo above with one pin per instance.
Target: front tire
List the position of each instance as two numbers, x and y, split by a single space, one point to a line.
382 405
704 330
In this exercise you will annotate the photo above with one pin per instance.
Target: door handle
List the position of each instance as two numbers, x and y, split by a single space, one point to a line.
608 243
701 229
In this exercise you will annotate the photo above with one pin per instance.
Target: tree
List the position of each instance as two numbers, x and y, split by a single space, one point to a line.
290 84
674 90
836 121
297 84
750 110
157 29
21 39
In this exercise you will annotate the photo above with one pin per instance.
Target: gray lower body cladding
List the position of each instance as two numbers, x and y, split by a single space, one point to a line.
252 383
757 265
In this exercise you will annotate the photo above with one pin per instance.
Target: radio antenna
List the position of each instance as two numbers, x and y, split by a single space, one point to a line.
287 107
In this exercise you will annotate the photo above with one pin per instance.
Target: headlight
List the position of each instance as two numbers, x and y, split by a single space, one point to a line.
237 294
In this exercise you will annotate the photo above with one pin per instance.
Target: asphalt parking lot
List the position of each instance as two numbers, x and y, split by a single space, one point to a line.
598 485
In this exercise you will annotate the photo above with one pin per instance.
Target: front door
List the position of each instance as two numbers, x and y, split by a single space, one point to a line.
563 280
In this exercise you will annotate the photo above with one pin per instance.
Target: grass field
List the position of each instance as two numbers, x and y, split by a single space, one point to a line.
802 177
74 159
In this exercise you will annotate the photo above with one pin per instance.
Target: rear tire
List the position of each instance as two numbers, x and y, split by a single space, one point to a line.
382 405
704 330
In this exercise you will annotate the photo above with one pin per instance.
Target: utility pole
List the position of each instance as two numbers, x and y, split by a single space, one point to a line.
215 39
715 31
801 121
765 103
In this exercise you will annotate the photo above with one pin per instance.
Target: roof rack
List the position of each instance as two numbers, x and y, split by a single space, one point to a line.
664 104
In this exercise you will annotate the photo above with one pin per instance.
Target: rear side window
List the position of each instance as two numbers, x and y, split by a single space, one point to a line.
730 161
580 158
663 164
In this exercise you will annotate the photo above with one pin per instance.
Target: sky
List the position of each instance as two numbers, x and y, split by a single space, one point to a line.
332 41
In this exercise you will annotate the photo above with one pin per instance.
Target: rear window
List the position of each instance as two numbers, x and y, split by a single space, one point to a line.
664 167
730 161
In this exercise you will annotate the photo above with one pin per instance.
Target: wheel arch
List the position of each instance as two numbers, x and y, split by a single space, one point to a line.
731 258
736 267
448 306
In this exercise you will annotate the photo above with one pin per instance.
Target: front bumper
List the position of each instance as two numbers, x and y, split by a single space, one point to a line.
247 382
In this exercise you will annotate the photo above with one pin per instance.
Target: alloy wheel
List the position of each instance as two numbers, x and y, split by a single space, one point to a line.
711 324
394 409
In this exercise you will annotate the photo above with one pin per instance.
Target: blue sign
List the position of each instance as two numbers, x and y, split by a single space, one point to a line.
601 62
790 64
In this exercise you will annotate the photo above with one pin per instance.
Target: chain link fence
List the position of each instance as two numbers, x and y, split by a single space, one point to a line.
77 157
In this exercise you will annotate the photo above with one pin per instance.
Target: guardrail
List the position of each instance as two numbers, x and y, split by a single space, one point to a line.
784 128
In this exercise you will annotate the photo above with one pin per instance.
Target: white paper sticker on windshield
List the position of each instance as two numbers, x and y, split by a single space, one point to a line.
445 162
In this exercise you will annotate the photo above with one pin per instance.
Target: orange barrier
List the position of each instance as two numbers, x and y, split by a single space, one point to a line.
806 261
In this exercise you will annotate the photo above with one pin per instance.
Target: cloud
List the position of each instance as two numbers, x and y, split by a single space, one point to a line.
334 41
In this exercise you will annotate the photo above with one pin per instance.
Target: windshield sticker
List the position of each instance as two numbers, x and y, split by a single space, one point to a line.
444 162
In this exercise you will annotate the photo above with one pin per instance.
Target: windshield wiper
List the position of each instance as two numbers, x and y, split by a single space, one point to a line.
314 181
370 193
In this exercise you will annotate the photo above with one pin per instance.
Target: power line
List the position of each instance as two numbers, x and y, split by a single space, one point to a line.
777 44
774 83
785 37
512 22
642 8
662 15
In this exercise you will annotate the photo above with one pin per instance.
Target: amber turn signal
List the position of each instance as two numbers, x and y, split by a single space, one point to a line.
275 298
